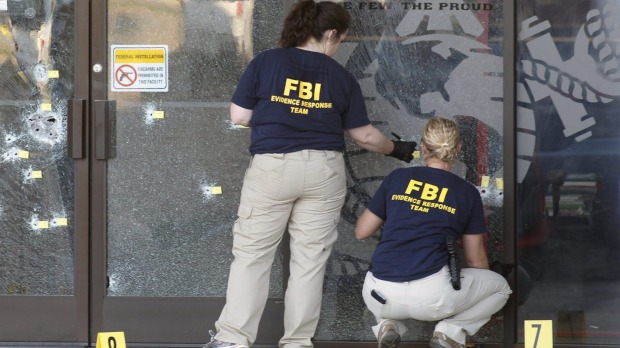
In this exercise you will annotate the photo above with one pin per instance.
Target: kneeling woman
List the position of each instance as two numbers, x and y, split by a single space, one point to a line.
420 208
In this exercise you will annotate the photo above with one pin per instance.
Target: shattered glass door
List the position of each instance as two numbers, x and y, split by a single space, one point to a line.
174 179
36 175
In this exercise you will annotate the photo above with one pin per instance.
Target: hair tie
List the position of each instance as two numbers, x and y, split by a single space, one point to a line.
444 145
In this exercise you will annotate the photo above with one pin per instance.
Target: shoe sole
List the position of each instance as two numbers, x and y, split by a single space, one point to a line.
437 343
391 339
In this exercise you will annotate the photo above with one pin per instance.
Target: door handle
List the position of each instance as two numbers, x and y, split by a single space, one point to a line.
103 109
75 128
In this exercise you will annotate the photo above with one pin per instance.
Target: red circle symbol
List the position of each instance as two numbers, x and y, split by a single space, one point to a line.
126 75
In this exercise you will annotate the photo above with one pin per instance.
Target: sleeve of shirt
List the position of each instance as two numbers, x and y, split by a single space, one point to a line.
477 224
378 203
245 94
356 114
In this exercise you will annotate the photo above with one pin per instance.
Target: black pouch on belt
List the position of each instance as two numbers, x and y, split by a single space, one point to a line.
453 262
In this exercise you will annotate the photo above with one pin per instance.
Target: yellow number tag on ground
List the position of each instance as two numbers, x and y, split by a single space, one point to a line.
111 340
538 333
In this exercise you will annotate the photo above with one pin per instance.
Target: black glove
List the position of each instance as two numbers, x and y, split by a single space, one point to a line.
403 150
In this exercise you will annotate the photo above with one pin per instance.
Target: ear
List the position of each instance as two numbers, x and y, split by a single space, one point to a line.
330 34
423 151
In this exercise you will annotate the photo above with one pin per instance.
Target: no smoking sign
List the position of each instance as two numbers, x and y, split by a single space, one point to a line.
139 68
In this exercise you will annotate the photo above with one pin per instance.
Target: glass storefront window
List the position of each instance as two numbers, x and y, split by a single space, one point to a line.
169 234
568 169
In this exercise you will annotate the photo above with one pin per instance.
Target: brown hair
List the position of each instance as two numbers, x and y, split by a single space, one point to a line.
308 19
441 139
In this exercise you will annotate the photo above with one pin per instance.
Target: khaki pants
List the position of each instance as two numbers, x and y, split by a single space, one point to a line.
303 191
459 312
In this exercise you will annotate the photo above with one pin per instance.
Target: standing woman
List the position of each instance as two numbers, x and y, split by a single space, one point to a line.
298 102
420 208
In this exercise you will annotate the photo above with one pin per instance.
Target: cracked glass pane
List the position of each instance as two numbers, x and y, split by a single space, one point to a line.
36 177
414 61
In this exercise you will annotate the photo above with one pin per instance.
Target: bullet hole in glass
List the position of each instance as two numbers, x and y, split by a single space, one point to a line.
30 12
45 127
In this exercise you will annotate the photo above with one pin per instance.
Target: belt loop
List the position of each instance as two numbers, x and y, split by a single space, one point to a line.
305 154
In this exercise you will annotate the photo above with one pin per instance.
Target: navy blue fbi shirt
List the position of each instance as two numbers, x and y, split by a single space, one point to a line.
420 206
301 100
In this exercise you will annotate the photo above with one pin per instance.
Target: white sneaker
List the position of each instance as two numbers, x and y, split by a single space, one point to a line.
441 340
388 335
220 344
